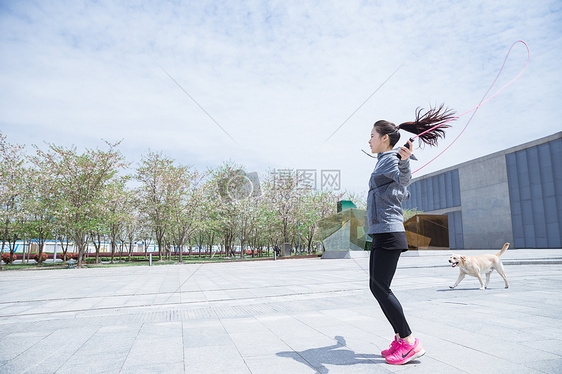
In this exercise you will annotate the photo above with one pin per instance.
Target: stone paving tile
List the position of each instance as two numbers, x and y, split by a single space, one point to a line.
547 345
224 359
18 309
472 359
251 344
549 366
426 365
209 336
14 344
294 316
151 367
243 325
156 345
51 352
321 358
288 362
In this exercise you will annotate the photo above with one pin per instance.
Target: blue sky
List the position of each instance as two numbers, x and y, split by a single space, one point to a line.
278 76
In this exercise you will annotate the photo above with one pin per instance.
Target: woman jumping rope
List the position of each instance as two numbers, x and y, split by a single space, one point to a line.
387 190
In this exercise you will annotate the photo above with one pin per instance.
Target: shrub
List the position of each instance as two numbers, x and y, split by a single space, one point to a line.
69 256
43 257
6 257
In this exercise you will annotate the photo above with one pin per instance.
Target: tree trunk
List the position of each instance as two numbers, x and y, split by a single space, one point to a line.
113 245
210 245
12 248
81 252
5 236
41 245
130 250
23 251
97 247
160 246
64 248
242 250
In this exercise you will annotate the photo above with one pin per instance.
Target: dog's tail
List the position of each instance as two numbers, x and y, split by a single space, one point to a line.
505 247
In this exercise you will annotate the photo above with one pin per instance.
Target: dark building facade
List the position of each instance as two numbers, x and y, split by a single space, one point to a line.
512 196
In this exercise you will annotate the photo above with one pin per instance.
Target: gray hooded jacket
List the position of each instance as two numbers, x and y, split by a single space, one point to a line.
387 190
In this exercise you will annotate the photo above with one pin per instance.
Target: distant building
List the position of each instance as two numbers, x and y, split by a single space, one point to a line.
512 196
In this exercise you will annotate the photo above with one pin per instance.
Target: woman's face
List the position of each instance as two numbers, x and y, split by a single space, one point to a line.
379 143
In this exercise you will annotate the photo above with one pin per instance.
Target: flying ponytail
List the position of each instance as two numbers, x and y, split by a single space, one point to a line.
430 125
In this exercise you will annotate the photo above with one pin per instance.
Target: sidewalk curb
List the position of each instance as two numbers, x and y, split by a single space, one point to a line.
506 262
533 262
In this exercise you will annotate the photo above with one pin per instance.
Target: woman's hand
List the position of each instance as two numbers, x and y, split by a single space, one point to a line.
404 152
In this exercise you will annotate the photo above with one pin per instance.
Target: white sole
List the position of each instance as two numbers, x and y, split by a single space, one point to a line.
417 355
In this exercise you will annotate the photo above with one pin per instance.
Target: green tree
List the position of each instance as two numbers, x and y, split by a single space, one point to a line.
269 221
12 177
186 206
230 190
160 195
207 231
39 204
116 211
315 206
81 180
132 222
284 195
144 228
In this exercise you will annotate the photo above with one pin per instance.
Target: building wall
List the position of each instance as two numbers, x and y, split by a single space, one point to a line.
535 184
485 203
512 196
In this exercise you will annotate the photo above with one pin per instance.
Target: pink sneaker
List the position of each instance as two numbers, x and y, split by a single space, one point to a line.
391 349
405 353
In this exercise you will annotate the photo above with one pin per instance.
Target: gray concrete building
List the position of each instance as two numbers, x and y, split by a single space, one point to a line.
514 195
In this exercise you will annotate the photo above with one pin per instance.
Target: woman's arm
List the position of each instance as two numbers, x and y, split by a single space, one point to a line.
399 170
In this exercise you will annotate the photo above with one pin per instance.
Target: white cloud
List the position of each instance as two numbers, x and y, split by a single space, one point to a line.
279 77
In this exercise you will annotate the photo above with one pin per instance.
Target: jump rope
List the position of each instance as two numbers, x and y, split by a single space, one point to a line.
473 110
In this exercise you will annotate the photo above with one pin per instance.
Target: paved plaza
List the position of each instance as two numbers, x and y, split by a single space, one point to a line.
286 316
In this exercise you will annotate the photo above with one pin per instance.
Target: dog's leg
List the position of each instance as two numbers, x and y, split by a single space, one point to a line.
499 269
488 278
459 279
479 276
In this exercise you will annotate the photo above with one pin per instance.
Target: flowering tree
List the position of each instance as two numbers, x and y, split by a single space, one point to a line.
83 197
12 173
316 205
162 196
80 181
186 207
38 204
116 211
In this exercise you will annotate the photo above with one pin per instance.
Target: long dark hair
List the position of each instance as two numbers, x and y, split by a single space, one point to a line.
422 123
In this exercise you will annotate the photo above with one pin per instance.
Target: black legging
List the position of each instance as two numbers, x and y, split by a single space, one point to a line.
382 267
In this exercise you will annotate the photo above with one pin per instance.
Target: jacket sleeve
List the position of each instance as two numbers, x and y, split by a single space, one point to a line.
405 172
398 170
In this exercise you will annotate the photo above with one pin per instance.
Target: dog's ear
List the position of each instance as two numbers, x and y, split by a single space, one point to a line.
463 259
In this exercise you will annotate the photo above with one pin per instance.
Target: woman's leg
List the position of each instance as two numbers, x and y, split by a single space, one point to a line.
382 267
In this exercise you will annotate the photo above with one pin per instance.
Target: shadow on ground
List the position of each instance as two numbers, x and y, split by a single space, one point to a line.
337 354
